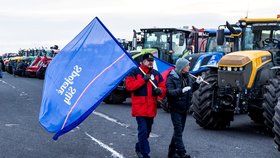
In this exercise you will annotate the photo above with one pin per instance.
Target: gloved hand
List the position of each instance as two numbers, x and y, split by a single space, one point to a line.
185 89
146 77
158 91
199 79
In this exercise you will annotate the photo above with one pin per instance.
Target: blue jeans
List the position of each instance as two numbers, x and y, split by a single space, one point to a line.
178 121
144 130
1 74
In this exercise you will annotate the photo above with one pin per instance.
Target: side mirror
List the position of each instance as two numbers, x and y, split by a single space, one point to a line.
231 29
220 37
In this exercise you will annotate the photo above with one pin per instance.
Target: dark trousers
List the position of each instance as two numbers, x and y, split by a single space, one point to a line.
144 130
178 121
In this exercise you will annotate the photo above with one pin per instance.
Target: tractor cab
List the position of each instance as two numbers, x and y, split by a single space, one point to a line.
262 34
209 52
168 44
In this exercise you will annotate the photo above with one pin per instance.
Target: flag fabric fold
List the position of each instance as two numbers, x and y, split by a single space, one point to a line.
80 76
163 67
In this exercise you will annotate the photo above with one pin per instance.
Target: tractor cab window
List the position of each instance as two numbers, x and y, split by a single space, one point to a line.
156 40
212 45
178 44
248 39
261 36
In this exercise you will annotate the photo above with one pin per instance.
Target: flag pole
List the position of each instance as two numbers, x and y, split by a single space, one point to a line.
149 79
196 78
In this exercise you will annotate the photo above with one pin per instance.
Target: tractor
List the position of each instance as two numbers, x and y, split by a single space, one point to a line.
208 52
241 80
168 44
39 65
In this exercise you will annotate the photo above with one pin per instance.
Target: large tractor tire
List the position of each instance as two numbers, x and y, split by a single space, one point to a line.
270 101
41 73
202 102
255 112
276 127
116 97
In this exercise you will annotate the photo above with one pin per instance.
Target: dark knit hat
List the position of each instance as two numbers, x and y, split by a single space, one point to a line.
148 56
181 63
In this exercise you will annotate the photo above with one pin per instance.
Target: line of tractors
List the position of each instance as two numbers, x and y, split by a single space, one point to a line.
240 61
29 62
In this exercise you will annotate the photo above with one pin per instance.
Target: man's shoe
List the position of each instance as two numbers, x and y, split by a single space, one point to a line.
139 154
146 156
174 155
184 155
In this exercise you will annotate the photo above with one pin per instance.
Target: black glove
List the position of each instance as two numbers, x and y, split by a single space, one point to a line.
157 91
146 77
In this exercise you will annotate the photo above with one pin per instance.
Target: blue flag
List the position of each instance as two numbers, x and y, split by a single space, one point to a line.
80 76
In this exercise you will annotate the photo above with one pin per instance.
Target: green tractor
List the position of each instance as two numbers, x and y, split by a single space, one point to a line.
244 80
168 44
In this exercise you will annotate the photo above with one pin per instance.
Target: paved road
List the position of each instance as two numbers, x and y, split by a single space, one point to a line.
111 132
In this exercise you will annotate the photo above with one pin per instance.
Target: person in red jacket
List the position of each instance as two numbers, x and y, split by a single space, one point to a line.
144 100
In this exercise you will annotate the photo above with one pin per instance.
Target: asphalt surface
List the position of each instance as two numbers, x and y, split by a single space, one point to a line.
111 131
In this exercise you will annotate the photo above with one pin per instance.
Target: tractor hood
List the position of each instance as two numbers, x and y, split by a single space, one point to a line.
241 58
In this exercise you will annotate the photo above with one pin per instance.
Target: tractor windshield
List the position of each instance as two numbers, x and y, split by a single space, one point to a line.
211 44
166 41
156 40
261 36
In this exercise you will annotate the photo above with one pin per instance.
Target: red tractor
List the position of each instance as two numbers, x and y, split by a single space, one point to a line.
40 64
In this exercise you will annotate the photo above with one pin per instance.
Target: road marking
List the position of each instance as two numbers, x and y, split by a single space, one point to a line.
7 84
11 124
110 119
114 153
152 135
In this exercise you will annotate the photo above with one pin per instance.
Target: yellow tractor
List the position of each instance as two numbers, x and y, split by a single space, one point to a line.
245 81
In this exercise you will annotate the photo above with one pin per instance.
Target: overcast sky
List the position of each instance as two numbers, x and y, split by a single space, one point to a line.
36 23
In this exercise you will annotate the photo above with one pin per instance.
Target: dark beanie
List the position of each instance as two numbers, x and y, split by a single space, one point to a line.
181 63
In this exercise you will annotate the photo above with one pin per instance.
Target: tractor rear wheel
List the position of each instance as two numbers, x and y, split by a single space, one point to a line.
255 112
41 73
270 101
276 127
116 97
202 102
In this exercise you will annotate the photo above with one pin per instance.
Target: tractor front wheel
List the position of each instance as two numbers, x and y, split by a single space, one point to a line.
270 101
202 102
276 127
116 97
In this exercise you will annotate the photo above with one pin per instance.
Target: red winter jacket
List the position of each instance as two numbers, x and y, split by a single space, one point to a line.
144 100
